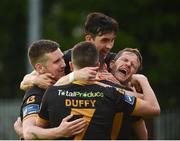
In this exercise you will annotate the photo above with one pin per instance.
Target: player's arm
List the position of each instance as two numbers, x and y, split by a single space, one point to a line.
149 105
65 129
41 80
18 127
107 76
32 131
26 83
87 73
140 129
134 93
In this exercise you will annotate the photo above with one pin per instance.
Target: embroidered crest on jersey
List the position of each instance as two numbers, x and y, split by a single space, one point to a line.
129 99
30 109
31 99
120 90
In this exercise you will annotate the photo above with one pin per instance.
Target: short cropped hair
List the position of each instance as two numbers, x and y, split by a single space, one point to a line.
97 24
38 49
132 50
84 54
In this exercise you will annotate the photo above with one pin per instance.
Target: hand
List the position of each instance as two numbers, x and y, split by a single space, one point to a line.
67 129
44 80
87 73
18 127
107 76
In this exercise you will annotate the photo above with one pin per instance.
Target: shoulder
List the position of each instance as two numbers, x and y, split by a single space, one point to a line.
67 53
34 91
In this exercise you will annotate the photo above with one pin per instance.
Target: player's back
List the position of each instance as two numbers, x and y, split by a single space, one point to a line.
97 104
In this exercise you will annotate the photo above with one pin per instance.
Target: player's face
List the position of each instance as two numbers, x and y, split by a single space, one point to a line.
104 43
55 64
125 66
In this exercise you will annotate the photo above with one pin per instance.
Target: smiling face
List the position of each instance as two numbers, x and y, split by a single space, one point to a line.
103 43
125 66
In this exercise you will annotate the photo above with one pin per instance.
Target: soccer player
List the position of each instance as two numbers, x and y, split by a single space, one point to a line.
94 101
124 66
101 30
46 57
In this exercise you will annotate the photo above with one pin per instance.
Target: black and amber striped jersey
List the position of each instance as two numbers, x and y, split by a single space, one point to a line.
31 102
123 123
97 104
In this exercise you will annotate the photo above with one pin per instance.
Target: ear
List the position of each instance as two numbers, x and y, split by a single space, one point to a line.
88 38
111 64
40 68
71 66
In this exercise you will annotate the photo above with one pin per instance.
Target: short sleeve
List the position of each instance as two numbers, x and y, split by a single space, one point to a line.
31 105
124 102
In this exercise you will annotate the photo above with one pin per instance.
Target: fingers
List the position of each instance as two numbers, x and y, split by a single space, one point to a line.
92 68
77 132
47 76
76 121
68 118
78 127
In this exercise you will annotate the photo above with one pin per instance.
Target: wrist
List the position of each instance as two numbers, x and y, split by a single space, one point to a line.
71 77
58 133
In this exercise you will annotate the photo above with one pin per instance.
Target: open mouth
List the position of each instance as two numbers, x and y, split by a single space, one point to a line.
123 72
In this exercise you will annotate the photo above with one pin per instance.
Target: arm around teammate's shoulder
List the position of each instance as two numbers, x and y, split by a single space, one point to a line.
149 106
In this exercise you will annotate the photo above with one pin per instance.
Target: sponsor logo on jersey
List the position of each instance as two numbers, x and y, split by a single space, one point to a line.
30 109
80 94
129 99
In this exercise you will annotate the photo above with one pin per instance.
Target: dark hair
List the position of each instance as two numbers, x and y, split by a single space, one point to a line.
39 48
132 50
98 24
84 54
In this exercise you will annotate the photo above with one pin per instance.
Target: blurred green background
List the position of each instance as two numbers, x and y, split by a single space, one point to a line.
152 26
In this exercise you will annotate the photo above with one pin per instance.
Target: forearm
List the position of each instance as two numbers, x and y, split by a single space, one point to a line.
27 81
140 130
34 132
64 80
149 95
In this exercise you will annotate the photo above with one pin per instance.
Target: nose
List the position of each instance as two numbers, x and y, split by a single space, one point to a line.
128 63
63 65
109 45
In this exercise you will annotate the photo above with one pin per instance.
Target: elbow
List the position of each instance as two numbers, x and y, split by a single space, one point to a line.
157 111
